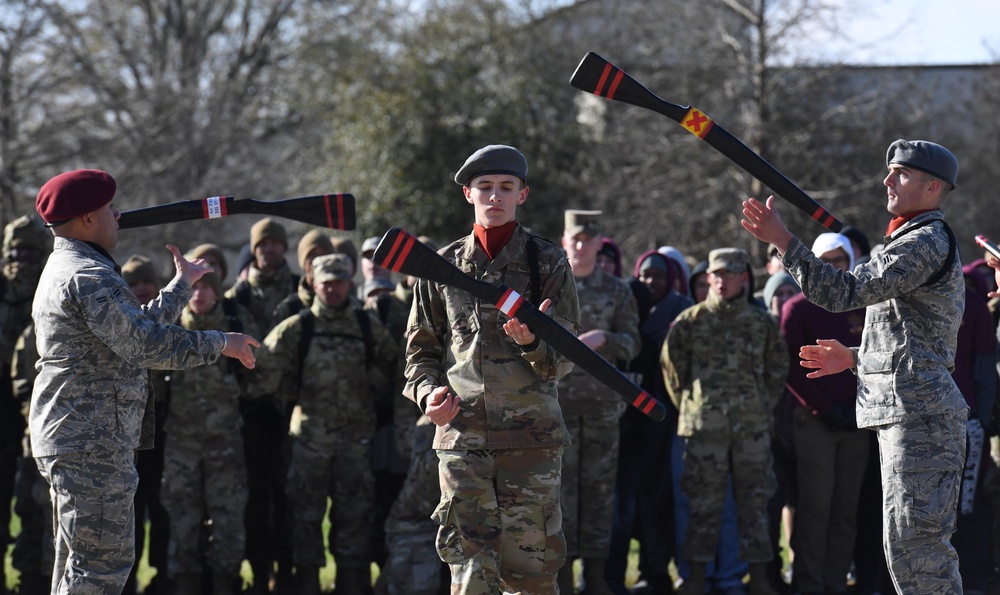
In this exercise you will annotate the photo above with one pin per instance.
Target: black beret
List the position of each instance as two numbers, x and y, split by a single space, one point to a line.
74 193
926 156
493 159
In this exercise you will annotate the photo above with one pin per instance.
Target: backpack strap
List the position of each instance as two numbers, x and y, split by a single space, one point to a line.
307 325
366 333
535 278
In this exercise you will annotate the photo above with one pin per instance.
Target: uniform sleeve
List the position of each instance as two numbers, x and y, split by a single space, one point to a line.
560 287
623 339
901 267
675 360
426 332
121 324
166 307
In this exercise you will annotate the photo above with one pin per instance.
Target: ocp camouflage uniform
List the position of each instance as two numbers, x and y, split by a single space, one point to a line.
905 390
591 412
724 365
500 458
204 471
89 404
412 567
18 281
331 427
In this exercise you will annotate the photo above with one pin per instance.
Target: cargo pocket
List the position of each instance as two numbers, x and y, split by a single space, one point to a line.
451 544
878 381
555 540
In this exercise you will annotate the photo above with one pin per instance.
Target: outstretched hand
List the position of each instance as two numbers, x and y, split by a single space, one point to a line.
764 222
519 331
238 346
189 270
827 356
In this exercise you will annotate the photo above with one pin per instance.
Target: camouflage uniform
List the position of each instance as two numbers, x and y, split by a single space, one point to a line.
332 424
905 390
724 365
89 417
264 430
18 281
500 458
591 413
411 567
204 471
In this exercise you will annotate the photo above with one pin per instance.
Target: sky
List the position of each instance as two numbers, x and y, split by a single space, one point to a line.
908 32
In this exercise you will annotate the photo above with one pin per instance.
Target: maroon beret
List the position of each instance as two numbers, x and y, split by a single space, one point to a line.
74 193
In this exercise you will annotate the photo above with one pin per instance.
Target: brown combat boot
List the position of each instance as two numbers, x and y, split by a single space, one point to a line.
593 577
759 583
694 584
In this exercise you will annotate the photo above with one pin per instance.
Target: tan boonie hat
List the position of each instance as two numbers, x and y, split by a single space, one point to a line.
331 267
731 259
588 222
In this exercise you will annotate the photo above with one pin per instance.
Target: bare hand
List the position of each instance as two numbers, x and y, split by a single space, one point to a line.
442 406
993 262
764 222
595 339
189 270
521 334
238 346
827 356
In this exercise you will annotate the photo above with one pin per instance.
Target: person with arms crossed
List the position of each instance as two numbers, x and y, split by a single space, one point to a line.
90 403
915 294
489 384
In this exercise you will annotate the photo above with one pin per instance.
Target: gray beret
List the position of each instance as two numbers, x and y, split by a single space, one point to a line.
493 159
926 156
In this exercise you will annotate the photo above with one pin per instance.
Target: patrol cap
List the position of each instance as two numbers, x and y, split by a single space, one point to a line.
74 193
376 284
331 267
586 222
139 268
369 245
731 259
267 228
926 156
493 159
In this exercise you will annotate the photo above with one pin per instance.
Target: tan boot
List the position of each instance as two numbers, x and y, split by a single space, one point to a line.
760 584
694 584
593 577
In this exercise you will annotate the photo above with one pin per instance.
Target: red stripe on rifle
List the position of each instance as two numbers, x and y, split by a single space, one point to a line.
614 84
403 253
392 251
503 298
828 221
329 214
223 206
604 77
340 211
204 208
818 213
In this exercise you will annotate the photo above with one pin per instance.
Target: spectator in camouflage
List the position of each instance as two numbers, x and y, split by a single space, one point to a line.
915 295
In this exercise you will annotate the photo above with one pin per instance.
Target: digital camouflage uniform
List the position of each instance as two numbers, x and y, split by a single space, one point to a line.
89 404
724 365
591 412
500 458
412 566
905 389
331 427
18 280
204 473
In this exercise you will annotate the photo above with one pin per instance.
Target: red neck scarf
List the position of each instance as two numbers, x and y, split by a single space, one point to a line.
898 222
493 239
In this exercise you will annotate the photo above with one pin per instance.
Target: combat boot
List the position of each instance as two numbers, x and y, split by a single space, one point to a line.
759 583
261 577
353 581
694 584
186 584
307 580
593 577
564 580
